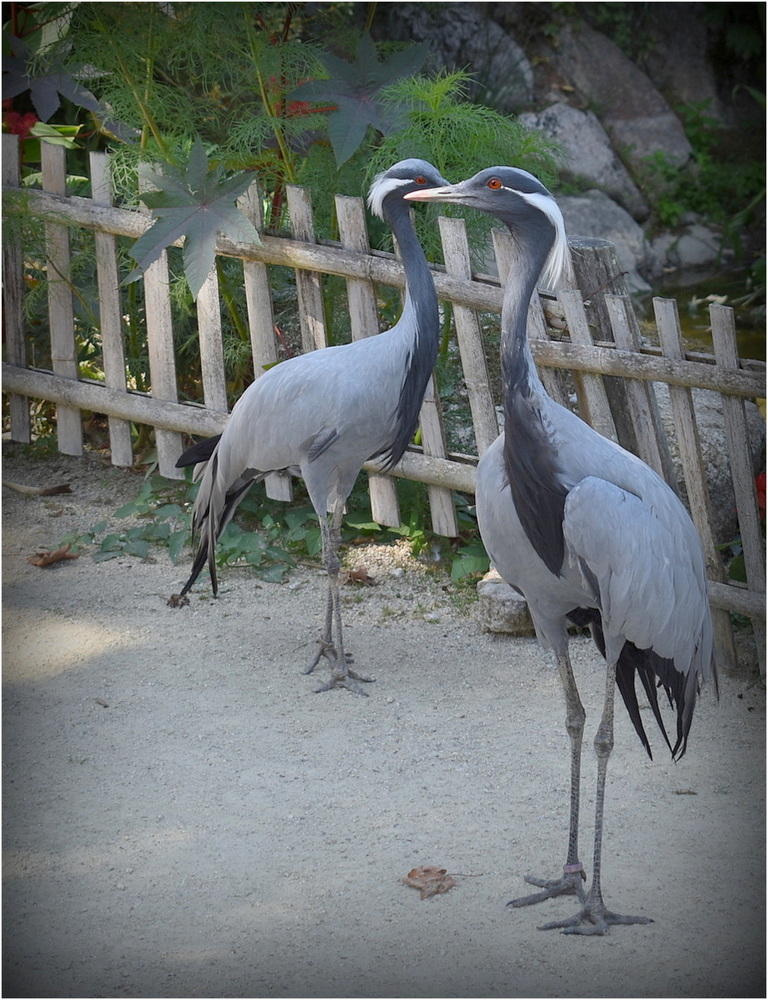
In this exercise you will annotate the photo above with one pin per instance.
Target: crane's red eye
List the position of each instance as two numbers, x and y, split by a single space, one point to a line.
494 184
420 180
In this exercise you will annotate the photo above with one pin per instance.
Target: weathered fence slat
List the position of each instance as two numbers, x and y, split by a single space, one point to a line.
162 360
61 311
110 312
261 323
364 318
449 473
693 472
643 407
590 390
597 273
453 233
308 283
442 509
13 299
211 343
742 473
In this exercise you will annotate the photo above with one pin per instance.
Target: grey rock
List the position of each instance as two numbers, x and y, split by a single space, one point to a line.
697 247
500 608
461 36
633 112
589 153
677 60
594 214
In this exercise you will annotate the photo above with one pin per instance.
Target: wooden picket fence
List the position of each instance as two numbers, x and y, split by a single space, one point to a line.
597 341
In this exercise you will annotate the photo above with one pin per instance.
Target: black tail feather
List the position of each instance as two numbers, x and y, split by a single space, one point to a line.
207 548
654 671
200 451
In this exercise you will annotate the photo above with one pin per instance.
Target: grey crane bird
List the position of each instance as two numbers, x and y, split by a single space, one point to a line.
325 413
586 532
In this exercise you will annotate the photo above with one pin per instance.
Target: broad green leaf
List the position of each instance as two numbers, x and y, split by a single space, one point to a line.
195 205
355 90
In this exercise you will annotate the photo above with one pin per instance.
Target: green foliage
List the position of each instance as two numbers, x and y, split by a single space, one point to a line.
355 89
719 186
195 204
460 138
270 536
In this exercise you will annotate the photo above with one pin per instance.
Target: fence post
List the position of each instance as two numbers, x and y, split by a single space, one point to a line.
308 283
61 312
742 472
695 483
591 388
364 318
13 299
211 340
110 311
597 273
162 360
258 298
643 407
453 233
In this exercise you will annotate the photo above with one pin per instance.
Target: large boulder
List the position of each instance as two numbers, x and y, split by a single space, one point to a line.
638 119
594 214
590 156
461 36
677 58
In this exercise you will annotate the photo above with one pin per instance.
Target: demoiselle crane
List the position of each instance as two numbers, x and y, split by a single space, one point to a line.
324 413
586 532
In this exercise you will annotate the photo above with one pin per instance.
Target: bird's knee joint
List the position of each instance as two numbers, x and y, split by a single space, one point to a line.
603 743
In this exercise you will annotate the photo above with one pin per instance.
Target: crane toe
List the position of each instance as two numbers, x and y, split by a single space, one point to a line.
569 884
592 919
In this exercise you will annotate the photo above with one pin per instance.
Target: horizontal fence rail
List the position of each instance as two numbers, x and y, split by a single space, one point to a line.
590 337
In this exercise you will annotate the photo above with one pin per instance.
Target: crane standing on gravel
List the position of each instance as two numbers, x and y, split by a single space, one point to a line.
325 413
585 531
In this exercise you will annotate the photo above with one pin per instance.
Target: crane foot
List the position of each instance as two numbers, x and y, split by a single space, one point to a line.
569 884
592 918
326 649
348 681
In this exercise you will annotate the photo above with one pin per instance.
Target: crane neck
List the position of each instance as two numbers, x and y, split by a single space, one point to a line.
530 455
420 298
416 333
520 375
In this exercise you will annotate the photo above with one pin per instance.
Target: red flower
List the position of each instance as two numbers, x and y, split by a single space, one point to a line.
18 124
760 487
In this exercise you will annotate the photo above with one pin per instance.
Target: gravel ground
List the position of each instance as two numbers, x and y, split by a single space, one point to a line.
184 817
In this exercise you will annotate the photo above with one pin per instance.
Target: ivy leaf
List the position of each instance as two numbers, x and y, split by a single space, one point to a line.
355 90
197 205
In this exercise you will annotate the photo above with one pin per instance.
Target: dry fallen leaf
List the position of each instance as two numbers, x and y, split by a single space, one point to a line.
49 558
429 880
359 576
100 701
38 491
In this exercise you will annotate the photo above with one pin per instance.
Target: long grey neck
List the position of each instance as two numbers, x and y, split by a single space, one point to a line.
419 324
520 375
530 456
420 297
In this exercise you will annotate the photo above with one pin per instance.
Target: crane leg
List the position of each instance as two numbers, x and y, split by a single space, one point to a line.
572 880
594 917
331 642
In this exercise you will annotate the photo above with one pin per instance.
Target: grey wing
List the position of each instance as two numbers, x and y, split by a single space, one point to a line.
642 559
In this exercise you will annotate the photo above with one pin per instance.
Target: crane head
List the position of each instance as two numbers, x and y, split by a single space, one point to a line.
399 180
519 200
